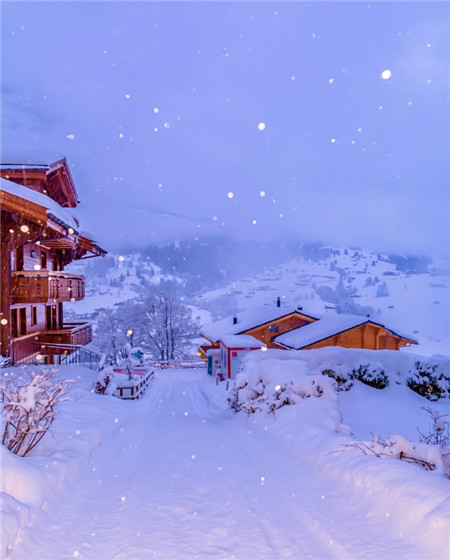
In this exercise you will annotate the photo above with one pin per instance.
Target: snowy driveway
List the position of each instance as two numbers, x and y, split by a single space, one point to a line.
185 478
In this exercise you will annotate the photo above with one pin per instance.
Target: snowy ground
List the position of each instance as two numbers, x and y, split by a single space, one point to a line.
178 475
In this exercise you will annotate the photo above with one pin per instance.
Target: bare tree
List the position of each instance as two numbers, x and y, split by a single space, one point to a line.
166 327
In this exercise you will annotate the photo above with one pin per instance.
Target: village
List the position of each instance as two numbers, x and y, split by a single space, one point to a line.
224 281
342 376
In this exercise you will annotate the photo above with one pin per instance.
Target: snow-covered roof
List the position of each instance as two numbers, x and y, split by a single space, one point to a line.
54 210
326 327
241 341
34 159
245 321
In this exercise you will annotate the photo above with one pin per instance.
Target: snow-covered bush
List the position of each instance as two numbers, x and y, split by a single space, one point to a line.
428 457
440 430
343 380
28 407
267 385
431 453
371 374
426 380
103 381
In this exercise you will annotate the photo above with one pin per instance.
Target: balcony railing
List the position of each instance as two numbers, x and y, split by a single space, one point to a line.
25 348
42 286
71 333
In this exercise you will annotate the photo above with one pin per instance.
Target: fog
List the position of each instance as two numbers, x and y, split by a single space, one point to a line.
260 122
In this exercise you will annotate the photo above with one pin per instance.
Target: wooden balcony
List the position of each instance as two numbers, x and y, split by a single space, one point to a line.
24 348
72 333
43 286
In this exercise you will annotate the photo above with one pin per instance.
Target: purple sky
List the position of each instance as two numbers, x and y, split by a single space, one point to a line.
157 105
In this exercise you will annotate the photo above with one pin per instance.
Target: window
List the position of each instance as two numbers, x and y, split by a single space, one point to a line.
33 315
273 328
23 320
14 324
44 260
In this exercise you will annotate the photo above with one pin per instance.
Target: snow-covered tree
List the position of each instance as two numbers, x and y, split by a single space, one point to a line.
166 326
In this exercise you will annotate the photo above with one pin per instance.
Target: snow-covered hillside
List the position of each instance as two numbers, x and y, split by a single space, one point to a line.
330 280
116 279
412 301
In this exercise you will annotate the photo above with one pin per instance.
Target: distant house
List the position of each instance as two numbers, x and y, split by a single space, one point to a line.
263 324
348 331
39 237
278 328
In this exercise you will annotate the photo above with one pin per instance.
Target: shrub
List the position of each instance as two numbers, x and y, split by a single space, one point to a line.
427 381
371 374
343 381
28 407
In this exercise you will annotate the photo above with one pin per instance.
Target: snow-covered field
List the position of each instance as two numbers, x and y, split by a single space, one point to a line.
180 475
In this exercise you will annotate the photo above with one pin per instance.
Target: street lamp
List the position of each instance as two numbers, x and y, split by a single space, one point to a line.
130 334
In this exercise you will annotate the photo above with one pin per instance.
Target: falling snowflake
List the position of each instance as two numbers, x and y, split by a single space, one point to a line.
155 110
262 193
70 136
386 74
230 195
261 126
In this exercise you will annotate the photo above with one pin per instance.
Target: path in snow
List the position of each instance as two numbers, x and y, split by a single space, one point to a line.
186 478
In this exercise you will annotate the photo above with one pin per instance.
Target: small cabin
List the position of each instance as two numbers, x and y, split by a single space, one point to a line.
232 349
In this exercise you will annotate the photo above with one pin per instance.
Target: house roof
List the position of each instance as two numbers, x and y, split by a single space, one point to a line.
53 209
240 341
53 178
247 320
326 327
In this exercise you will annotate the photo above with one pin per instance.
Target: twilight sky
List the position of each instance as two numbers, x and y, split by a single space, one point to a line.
254 120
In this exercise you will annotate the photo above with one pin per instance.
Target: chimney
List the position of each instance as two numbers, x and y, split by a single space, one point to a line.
234 319
278 301
299 308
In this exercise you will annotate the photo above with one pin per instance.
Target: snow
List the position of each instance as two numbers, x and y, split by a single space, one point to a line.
417 302
245 320
178 474
325 327
41 200
241 341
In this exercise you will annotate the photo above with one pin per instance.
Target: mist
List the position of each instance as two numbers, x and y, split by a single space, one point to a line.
256 122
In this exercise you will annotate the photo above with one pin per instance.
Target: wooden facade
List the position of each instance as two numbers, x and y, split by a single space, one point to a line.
265 332
38 241
296 331
369 336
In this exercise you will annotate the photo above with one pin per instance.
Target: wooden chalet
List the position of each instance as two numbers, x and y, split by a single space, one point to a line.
39 237
263 324
347 331
294 330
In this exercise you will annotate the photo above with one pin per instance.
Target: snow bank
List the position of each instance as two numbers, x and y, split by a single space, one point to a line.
312 432
73 441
